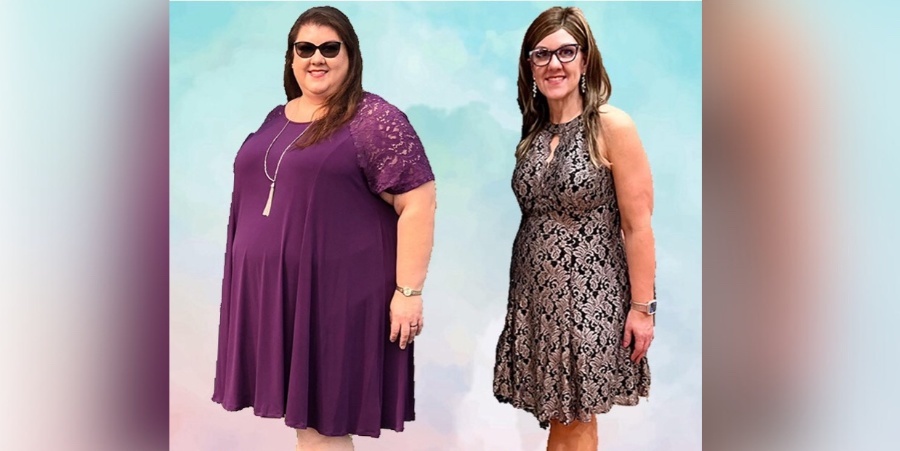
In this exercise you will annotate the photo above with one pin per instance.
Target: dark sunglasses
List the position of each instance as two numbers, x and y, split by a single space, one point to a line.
328 49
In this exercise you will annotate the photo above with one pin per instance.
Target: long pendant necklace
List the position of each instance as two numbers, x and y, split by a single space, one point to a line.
266 166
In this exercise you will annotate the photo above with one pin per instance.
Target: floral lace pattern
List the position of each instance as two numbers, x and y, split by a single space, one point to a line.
391 154
560 355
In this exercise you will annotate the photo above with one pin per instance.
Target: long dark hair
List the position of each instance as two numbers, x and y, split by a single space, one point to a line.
535 111
341 106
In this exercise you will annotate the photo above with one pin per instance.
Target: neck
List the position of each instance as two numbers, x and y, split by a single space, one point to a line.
565 109
311 102
306 109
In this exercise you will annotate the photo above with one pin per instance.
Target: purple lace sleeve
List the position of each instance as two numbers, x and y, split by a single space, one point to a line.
389 150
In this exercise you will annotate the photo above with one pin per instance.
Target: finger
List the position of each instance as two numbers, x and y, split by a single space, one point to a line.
395 330
412 333
638 348
404 335
627 341
644 346
421 326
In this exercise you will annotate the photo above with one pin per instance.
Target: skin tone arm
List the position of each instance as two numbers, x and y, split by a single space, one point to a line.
415 237
634 192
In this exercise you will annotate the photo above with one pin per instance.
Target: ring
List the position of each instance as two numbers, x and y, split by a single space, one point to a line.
413 325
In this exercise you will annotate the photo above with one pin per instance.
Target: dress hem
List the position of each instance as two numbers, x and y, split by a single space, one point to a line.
545 423
263 413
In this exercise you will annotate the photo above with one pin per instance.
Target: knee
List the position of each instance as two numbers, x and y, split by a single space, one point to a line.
309 438
575 427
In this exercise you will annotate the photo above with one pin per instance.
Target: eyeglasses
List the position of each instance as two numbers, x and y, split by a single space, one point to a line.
565 54
328 49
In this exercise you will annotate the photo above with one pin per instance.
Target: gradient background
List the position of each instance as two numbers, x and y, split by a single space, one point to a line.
451 67
84 233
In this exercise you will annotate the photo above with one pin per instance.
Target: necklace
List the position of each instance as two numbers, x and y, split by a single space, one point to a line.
266 166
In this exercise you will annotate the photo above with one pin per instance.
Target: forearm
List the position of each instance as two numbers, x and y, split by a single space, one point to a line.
415 237
641 256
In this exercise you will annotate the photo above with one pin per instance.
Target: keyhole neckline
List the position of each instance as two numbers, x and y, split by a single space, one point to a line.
564 128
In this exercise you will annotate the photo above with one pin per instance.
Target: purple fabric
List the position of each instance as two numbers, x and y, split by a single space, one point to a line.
304 321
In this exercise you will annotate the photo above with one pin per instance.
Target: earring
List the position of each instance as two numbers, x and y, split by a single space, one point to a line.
534 89
583 84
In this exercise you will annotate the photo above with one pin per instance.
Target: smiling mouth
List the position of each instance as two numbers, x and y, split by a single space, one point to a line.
318 72
555 78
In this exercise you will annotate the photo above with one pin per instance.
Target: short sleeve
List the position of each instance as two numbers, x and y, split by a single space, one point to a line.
389 150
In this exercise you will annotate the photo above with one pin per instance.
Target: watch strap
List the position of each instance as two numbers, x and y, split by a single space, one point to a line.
645 307
406 291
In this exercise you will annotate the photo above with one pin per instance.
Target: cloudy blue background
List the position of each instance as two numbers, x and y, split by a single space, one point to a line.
452 68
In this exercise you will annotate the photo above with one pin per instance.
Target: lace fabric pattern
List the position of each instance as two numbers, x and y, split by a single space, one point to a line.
560 355
390 152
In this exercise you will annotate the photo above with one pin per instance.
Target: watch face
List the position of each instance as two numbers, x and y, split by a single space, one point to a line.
407 291
651 308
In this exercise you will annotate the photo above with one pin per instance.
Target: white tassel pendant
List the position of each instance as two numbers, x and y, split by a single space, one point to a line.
269 202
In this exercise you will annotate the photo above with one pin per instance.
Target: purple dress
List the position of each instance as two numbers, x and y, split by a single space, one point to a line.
304 323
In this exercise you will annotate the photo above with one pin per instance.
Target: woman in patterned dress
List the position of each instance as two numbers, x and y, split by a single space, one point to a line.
329 237
581 298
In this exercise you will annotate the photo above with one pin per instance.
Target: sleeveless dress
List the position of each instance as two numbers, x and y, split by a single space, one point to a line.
304 325
560 355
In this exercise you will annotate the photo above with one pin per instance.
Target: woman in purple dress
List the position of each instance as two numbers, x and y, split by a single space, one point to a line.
329 238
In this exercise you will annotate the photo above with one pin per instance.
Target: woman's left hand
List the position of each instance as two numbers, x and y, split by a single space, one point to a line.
406 318
638 328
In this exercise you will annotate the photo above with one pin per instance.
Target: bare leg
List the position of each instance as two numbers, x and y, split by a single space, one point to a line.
576 436
310 440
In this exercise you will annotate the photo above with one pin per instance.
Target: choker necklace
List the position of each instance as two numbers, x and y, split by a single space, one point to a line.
266 166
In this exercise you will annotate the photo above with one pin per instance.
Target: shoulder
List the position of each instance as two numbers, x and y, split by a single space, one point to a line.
618 134
274 113
617 130
375 107
616 121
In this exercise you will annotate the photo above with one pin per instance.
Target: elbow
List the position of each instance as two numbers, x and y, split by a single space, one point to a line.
631 227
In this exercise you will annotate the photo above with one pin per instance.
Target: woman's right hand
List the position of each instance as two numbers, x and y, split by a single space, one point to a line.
406 318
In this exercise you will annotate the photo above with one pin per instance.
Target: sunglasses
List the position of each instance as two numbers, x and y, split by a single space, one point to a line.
565 54
328 49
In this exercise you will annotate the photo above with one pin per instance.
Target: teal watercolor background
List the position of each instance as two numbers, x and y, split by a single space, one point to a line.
451 67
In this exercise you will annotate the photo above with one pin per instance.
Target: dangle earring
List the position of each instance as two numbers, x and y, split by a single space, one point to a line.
583 84
534 89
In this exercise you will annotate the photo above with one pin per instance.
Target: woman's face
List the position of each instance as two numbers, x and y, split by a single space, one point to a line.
318 76
558 78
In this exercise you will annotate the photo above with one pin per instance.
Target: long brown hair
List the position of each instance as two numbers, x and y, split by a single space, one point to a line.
535 110
341 106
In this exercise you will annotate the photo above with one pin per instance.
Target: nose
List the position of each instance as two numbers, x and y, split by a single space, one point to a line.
554 63
317 57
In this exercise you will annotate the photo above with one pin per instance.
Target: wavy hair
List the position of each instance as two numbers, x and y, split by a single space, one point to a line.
341 106
535 110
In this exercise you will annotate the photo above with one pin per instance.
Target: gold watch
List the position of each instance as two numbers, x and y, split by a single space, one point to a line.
408 292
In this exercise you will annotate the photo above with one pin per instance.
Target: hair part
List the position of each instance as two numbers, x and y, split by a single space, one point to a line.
341 106
535 109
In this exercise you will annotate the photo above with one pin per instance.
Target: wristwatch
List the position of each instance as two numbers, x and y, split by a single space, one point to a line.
407 291
648 308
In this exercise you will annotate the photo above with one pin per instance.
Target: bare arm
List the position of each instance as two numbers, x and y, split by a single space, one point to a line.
634 192
415 237
415 233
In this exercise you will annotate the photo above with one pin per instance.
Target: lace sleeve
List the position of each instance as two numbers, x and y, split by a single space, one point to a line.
389 150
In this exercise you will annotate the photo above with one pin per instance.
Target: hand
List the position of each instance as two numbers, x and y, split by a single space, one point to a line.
638 327
406 318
